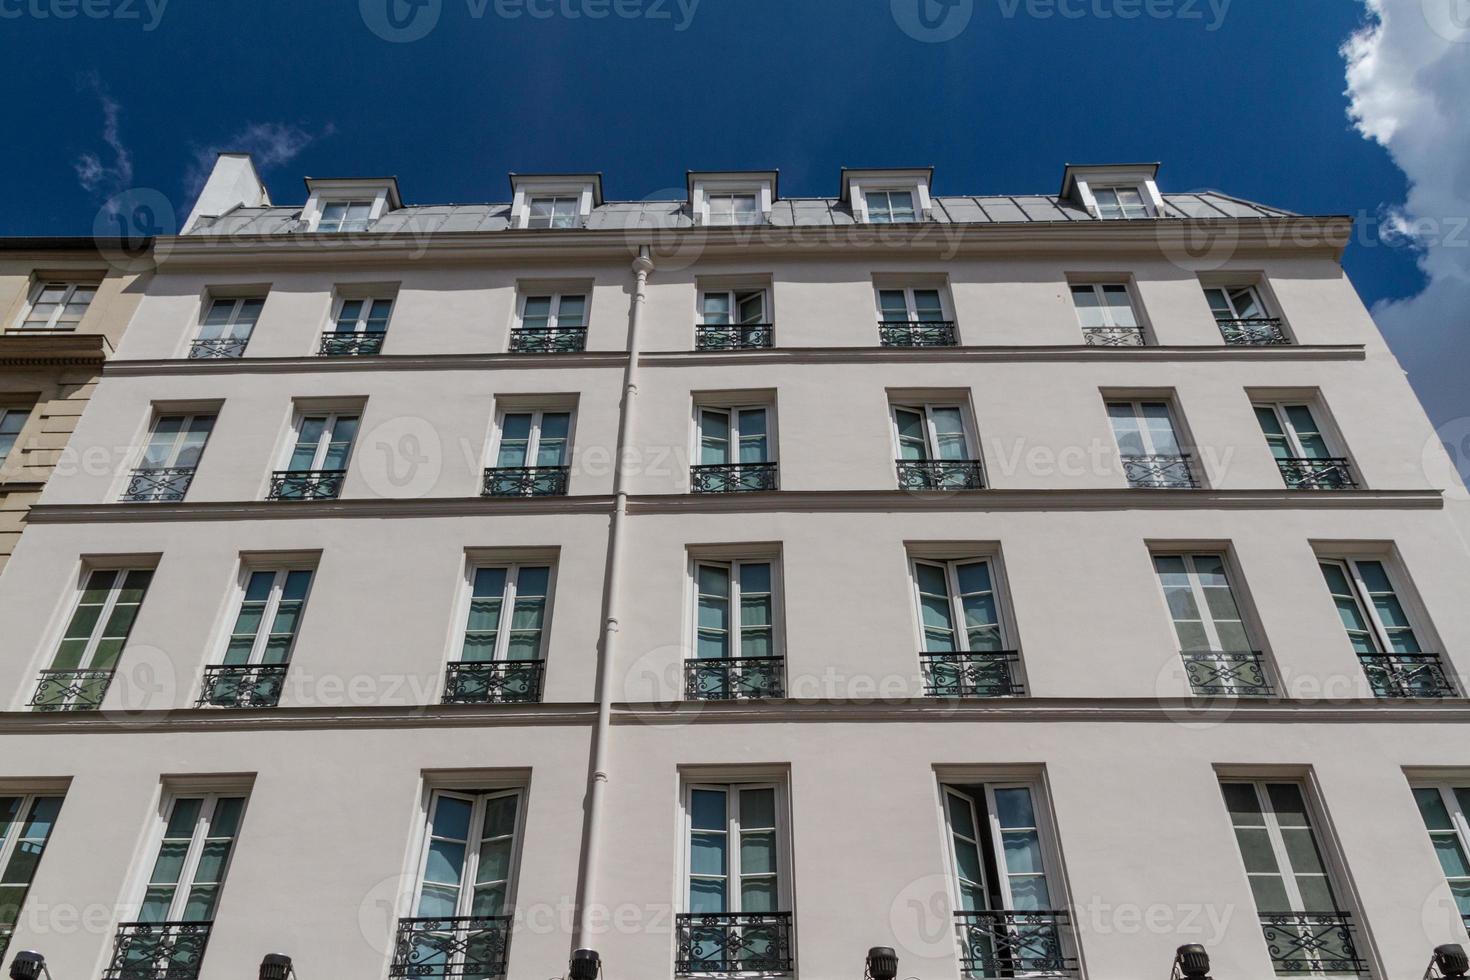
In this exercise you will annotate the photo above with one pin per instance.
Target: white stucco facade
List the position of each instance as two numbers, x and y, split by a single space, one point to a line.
1122 757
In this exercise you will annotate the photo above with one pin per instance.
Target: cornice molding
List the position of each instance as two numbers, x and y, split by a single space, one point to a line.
118 722
25 351
313 364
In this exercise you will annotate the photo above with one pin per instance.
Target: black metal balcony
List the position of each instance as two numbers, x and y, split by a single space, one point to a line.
1317 474
972 674
733 478
1160 472
242 686
71 690
526 481
548 340
734 679
494 682
1006 943
344 344
1113 336
5 933
1311 942
1258 331
733 942
158 951
472 947
940 474
1232 674
919 333
159 485
735 336
306 484
1407 675
222 348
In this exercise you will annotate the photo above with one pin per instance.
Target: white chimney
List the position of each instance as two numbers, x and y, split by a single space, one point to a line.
232 183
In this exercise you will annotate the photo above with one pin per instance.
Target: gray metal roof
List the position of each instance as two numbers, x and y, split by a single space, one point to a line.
791 212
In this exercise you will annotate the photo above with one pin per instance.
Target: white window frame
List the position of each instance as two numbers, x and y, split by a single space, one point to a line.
1144 203
204 821
732 413
268 614
887 193
729 219
72 285
359 326
374 205
324 445
1278 408
11 840
574 198
931 432
1226 289
1098 290
1459 823
478 800
1285 869
999 592
533 442
172 460
706 188
507 608
553 318
733 892
237 305
1207 617
104 615
6 411
732 568
523 192
733 296
1361 593
945 309
1143 430
1045 834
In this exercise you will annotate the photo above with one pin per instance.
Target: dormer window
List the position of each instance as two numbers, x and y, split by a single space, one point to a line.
1120 202
1114 191
553 200
734 209
887 197
554 211
345 216
890 207
347 205
733 198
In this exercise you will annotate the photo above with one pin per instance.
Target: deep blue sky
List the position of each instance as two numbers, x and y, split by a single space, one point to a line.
1255 108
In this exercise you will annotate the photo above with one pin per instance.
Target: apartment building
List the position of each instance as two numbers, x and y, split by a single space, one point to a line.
63 306
1030 584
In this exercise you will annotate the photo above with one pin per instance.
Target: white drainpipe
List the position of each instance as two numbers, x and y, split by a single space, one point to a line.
627 423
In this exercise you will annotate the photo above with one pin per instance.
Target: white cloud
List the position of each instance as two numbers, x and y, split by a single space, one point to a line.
1408 75
270 144
92 173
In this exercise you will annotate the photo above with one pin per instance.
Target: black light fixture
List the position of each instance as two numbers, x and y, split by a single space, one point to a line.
586 965
276 966
29 965
1450 959
882 963
1192 963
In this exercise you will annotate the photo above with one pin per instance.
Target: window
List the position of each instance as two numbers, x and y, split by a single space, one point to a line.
551 323
1106 313
735 449
1382 632
890 207
1005 911
1149 446
318 462
253 669
914 317
1213 639
734 209
1119 202
345 216
1235 303
12 421
1443 808
1243 318
58 305
532 457
461 919
1305 928
93 640
504 646
358 327
227 327
736 641
935 449
554 211
733 319
170 459
1301 448
737 893
966 650
26 823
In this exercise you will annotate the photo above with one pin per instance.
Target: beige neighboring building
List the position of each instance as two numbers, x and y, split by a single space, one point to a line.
64 304
1033 584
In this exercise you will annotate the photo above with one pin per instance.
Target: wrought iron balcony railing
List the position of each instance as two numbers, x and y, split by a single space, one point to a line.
1006 943
341 343
306 484
733 477
548 340
5 933
1311 942
732 942
1113 336
1259 331
71 690
242 686
972 674
221 348
494 682
159 484
1407 675
158 951
526 481
919 333
1160 472
735 679
1317 474
1232 674
940 474
472 947
735 336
